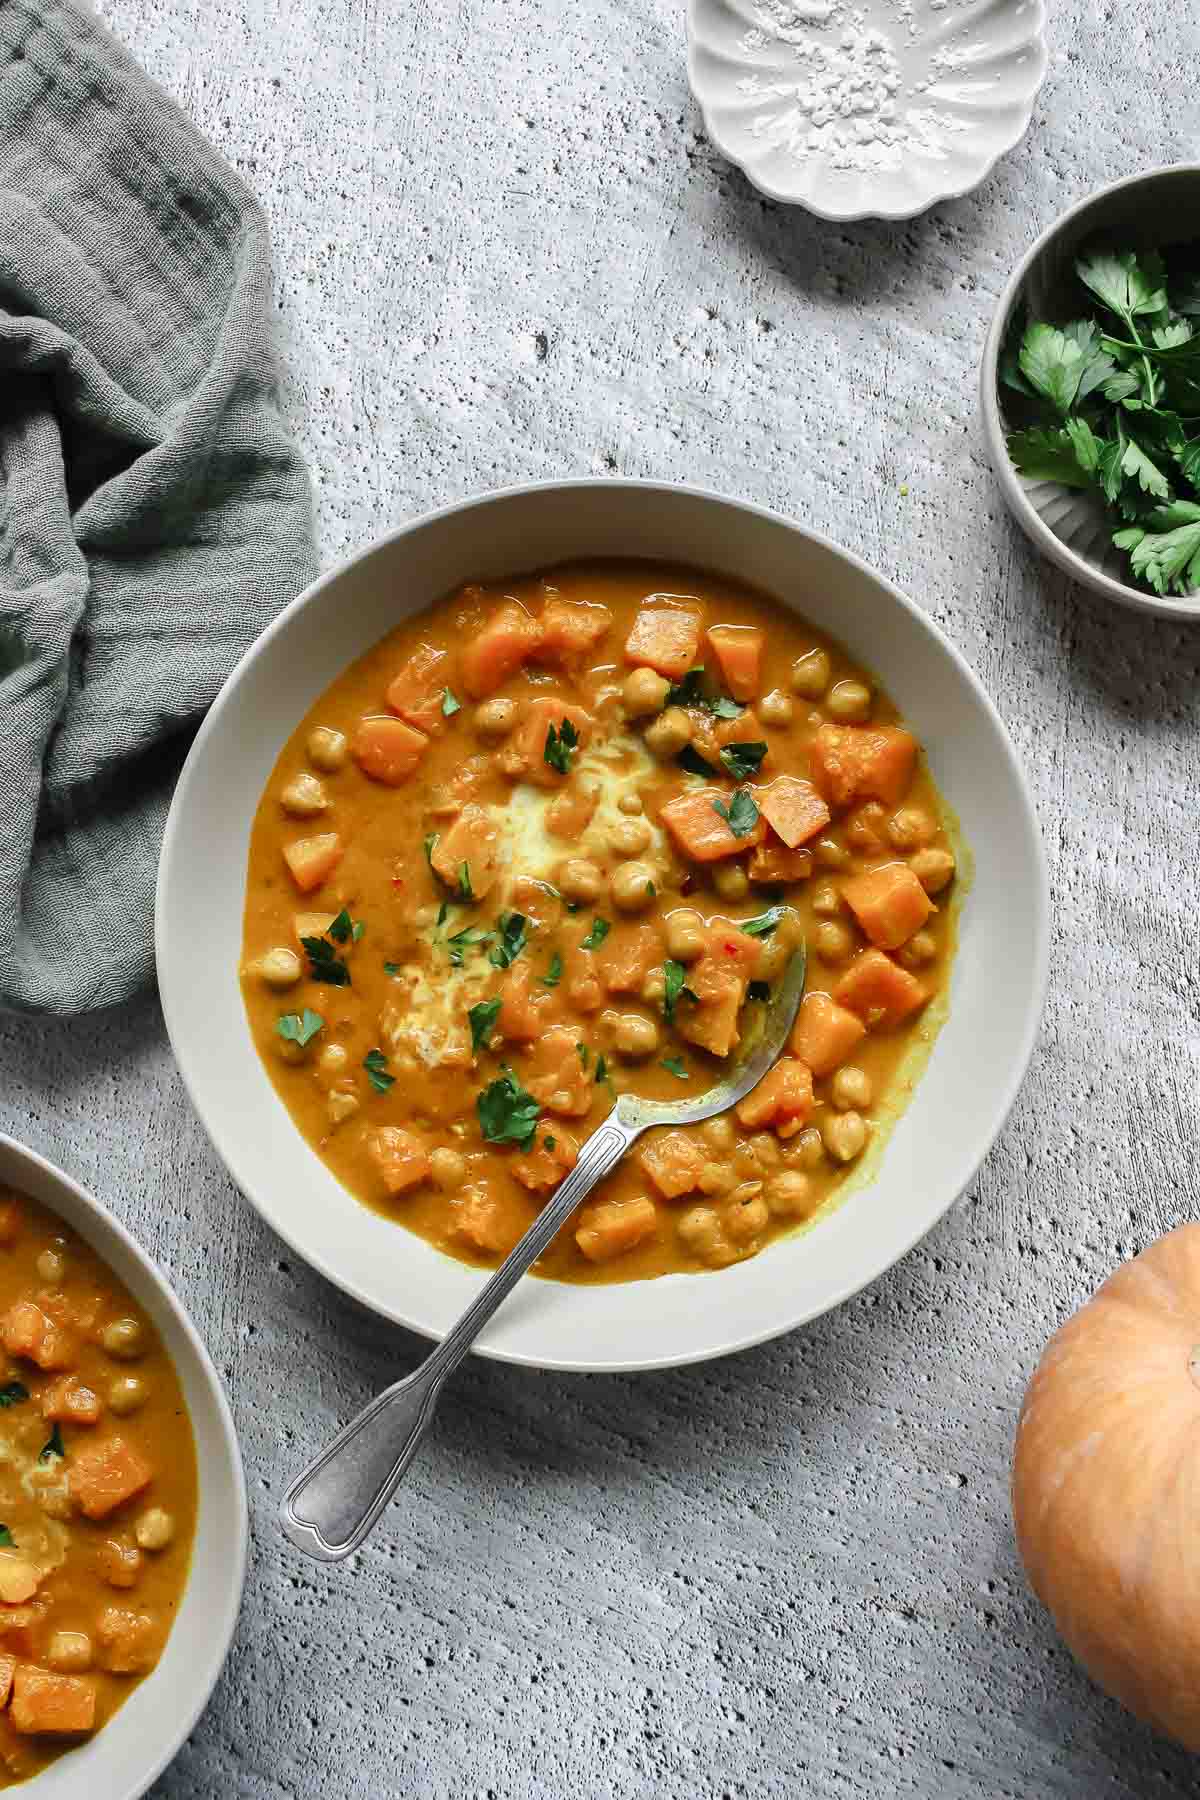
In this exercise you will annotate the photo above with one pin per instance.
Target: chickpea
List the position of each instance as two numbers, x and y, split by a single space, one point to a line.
69 1651
155 1529
775 708
719 1134
934 869
745 1215
685 934
635 1037
829 854
669 733
826 901
864 828
495 719
911 828
808 1149
327 749
126 1394
630 837
631 803
700 1230
654 988
745 1161
787 1193
333 1060
716 1178
51 1265
120 1562
341 1105
18 1580
849 703
124 1339
851 1089
633 887
810 675
773 958
279 968
579 879
845 1135
731 881
303 797
448 1168
919 950
644 692
289 1051
833 941
765 1146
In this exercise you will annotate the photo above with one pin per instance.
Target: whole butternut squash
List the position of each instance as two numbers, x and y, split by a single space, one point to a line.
1106 1484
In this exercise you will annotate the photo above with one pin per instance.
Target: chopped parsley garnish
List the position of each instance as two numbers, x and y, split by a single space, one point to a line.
376 1065
764 924
507 1114
465 890
482 1019
676 1066
430 841
470 938
596 936
560 746
12 1391
360 925
743 760
340 928
296 1028
689 692
449 704
758 990
6 1538
53 1446
741 815
553 974
601 1070
675 988
514 934
585 1055
547 1143
651 889
324 963
443 913
573 906
391 968
689 758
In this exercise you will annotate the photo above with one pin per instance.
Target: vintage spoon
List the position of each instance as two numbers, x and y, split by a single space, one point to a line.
329 1509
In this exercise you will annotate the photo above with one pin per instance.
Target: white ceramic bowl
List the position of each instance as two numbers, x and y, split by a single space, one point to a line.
980 1055
133 1749
1071 527
866 108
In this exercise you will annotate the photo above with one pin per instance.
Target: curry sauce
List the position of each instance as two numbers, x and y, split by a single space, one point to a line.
554 839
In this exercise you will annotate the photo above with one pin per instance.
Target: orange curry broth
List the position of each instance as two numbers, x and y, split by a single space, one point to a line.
731 1187
97 1540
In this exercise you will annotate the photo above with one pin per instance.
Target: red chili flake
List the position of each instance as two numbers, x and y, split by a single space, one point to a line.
731 948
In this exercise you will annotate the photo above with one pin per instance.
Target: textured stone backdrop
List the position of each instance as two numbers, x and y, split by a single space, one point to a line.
505 250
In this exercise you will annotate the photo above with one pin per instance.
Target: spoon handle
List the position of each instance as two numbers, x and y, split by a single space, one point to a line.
330 1508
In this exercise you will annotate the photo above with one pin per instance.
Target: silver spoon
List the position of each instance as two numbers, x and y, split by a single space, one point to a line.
329 1509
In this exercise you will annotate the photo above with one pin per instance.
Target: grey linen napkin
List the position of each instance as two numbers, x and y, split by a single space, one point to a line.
154 513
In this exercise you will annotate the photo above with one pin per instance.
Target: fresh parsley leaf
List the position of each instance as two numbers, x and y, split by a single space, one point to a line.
376 1065
13 1391
1168 560
507 1113
1044 455
741 815
585 1055
295 1028
675 989
1188 457
675 1065
1086 444
560 745
1053 364
470 938
1172 336
6 1538
1122 284
324 963
596 936
465 890
758 990
53 1446
743 760
449 704
689 758
514 934
764 924
1138 466
391 968
553 974
482 1017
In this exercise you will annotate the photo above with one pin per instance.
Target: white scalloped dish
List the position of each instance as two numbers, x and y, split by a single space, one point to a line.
871 110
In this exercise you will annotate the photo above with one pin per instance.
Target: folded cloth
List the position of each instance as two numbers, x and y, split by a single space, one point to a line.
154 512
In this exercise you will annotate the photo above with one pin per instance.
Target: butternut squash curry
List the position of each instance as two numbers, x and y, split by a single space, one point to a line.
97 1490
555 838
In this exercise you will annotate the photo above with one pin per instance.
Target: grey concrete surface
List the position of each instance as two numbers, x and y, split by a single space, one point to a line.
505 250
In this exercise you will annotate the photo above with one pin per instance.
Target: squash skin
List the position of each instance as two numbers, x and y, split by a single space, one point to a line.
1106 1484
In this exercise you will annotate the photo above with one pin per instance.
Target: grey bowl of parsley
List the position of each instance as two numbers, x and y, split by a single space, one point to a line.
1091 392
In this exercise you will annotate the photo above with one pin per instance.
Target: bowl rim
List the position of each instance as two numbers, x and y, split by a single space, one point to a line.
226 1144
230 1604
1031 522
890 214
